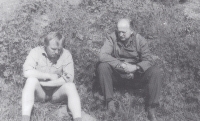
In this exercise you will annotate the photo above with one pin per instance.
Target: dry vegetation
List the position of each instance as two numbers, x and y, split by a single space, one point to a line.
173 37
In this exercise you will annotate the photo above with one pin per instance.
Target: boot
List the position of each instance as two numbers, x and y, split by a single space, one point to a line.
151 114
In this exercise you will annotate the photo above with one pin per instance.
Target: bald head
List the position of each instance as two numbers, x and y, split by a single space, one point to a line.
124 29
124 23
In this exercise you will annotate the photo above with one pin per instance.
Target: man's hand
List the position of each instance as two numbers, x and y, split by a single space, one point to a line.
53 77
129 68
66 77
43 83
127 76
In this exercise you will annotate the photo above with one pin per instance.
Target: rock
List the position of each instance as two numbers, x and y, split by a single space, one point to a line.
7 8
74 2
80 36
154 57
192 9
62 111
87 117
182 1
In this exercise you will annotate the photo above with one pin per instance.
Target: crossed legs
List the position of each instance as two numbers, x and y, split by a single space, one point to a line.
33 89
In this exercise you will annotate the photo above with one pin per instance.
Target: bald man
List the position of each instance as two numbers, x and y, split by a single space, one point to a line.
125 57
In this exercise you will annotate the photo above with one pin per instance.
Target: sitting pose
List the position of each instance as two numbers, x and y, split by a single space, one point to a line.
49 70
125 56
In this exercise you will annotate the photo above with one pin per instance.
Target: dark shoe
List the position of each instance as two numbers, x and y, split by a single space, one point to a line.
151 114
111 106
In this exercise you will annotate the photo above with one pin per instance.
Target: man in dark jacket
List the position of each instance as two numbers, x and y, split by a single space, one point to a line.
125 56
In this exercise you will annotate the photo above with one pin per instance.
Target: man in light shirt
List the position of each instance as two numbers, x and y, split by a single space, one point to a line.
49 70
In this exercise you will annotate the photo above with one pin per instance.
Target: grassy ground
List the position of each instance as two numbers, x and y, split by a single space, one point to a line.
172 35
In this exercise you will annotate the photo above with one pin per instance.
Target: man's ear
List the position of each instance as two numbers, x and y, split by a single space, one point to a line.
45 45
133 32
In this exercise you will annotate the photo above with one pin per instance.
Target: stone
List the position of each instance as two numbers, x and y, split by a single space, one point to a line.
87 117
62 111
74 2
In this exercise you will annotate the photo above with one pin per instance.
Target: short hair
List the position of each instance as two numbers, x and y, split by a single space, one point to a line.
132 24
53 35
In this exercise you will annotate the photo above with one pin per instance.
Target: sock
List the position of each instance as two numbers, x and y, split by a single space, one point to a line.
25 118
77 119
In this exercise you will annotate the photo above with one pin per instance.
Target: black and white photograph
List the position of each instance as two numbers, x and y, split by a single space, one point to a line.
99 60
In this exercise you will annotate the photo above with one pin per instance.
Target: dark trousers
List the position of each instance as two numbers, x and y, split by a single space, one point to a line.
151 80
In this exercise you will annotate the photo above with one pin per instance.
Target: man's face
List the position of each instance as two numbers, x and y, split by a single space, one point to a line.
124 32
54 49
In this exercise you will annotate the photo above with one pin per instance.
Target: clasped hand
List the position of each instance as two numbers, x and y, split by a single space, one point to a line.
128 68
50 78
54 77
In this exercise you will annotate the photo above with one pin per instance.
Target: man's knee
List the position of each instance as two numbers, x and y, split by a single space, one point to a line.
155 71
70 87
30 86
31 82
103 67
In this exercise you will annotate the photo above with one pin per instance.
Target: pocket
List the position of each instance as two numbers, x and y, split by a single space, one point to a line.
42 68
42 65
56 70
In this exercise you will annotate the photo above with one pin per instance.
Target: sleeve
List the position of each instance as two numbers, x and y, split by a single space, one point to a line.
145 55
68 68
106 53
31 61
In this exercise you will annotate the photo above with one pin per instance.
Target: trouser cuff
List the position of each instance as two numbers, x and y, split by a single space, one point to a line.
153 105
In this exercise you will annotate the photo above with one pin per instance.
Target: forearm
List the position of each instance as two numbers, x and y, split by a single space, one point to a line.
36 74
105 55
130 68
54 83
106 58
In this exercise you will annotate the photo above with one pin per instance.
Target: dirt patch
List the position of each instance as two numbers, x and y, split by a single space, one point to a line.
7 8
192 9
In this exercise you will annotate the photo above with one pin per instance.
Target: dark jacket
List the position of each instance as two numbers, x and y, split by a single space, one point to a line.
136 52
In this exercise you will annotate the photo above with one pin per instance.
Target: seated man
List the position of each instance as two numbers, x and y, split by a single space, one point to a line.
125 56
49 70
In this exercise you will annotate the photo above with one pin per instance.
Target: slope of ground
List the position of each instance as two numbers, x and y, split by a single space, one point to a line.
192 9
173 37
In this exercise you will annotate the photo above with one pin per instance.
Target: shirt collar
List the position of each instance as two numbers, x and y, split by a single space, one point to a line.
129 43
46 56
43 51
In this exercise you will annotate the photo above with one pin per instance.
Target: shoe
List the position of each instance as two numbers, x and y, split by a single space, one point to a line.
111 106
151 114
